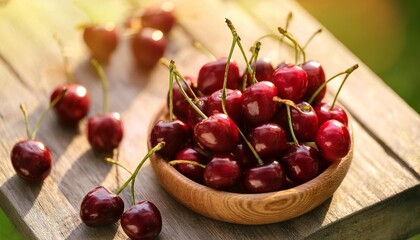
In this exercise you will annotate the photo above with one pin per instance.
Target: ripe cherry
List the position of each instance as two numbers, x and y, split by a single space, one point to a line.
291 82
245 157
180 104
333 139
233 104
193 117
101 207
257 103
174 133
194 172
268 139
316 77
159 16
74 105
211 76
148 46
142 221
263 70
301 163
217 133
269 177
325 113
222 172
102 40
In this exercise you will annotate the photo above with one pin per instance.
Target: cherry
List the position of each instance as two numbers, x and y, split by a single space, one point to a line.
174 133
74 105
194 172
180 105
211 75
222 172
233 104
101 207
245 157
316 77
148 46
217 133
31 160
257 103
333 140
159 16
142 221
291 82
301 163
325 113
269 177
268 139
193 117
104 131
102 40
263 70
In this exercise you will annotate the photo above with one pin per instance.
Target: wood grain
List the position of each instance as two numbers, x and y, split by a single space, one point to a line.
377 184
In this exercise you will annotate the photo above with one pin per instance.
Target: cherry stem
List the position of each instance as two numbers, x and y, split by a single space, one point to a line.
295 43
132 178
319 89
100 71
65 58
312 37
174 162
289 119
234 41
204 50
25 116
110 160
44 114
260 161
348 72
171 93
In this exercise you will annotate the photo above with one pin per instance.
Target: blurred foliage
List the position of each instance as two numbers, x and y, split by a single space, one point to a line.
7 230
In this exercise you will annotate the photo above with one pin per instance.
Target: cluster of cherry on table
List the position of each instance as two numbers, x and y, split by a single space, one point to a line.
264 130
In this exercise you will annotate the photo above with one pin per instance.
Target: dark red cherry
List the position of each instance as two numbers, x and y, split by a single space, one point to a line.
301 163
269 177
304 121
148 46
245 157
217 133
257 103
180 104
101 207
222 172
105 131
142 221
233 104
211 76
325 113
316 77
268 139
31 160
263 70
192 116
74 105
191 171
159 16
102 40
175 134
333 140
291 82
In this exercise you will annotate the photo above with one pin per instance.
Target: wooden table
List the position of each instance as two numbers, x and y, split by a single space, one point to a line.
379 198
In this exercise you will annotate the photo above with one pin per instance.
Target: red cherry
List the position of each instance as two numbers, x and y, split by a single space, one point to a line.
192 116
211 76
245 157
316 77
74 105
148 46
263 70
180 104
191 171
142 221
301 163
325 113
233 104
291 82
159 16
333 140
102 40
268 139
257 103
217 133
101 207
269 177
31 160
175 134
222 172
105 131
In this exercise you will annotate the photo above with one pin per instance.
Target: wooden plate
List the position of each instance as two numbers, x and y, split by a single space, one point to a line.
250 209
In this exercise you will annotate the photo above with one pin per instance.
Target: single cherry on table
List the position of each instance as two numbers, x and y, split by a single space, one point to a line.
102 40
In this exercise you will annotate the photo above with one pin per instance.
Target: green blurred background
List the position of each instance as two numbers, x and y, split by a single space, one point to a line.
384 34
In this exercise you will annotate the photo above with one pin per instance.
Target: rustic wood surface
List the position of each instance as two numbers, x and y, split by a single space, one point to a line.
379 198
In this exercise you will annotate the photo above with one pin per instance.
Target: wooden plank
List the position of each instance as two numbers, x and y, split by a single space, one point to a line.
379 109
51 210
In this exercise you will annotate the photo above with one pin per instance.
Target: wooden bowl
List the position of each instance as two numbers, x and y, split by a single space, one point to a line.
249 209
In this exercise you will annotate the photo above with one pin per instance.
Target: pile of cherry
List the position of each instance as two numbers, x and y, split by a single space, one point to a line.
32 159
264 130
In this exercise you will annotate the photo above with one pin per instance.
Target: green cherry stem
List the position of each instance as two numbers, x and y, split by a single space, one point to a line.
44 114
204 50
232 47
100 71
319 89
110 160
295 43
350 70
25 116
179 161
65 58
289 118
171 93
312 37
255 52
